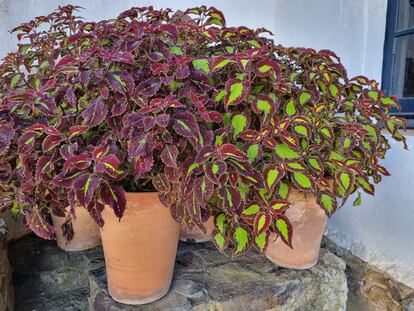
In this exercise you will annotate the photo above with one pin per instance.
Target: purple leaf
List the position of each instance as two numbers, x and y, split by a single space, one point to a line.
6 135
95 113
169 155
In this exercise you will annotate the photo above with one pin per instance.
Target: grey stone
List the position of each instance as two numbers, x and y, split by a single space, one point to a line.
204 279
369 288
6 288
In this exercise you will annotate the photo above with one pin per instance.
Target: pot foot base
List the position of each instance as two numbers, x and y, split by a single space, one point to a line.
140 301
295 267
189 240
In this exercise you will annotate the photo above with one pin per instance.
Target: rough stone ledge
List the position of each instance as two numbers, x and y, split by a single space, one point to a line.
371 289
49 279
6 289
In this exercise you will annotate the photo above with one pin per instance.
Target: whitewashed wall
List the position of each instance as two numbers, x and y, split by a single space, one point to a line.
382 229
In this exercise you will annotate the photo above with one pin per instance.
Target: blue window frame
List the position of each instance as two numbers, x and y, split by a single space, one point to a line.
398 66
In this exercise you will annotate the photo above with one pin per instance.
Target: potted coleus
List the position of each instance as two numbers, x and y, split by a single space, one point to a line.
116 119
297 136
32 112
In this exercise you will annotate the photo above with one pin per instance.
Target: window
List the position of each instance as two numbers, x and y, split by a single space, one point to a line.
398 67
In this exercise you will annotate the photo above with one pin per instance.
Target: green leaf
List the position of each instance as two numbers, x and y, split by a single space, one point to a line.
345 179
333 89
15 80
219 222
372 132
358 200
45 64
283 190
239 123
220 95
176 50
251 210
284 152
326 200
290 108
15 210
252 153
235 91
261 241
241 239
272 175
373 95
202 64
304 97
220 241
301 130
365 185
284 229
315 163
264 106
303 181
296 166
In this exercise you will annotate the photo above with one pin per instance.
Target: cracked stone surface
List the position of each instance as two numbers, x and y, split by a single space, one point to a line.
49 279
6 289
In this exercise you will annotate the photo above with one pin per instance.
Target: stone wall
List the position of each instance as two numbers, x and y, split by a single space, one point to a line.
371 289
6 289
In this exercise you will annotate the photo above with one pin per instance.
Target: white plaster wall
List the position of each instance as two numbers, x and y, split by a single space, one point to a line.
381 231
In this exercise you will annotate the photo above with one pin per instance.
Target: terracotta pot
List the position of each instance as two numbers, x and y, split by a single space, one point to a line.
140 249
196 235
308 221
86 231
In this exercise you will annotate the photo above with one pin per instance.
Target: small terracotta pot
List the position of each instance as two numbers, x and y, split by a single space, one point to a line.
196 235
140 249
308 222
86 231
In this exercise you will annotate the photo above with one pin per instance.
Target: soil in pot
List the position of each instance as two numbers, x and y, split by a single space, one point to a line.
86 231
308 222
195 235
140 249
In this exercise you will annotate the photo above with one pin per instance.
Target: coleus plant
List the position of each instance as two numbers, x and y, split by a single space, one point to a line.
218 119
89 110
292 119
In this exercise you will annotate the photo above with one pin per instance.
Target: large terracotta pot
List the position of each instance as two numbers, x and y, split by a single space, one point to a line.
196 235
308 221
140 249
86 231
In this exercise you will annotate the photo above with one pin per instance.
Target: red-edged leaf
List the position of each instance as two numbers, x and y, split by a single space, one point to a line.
231 151
231 200
327 201
185 124
64 61
148 87
51 141
6 135
272 175
114 196
80 161
284 229
110 165
77 130
204 154
267 67
95 113
278 207
85 186
169 156
143 164
27 141
262 222
236 91
40 226
95 209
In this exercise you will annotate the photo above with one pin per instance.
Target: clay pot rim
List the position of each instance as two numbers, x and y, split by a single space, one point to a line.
141 194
